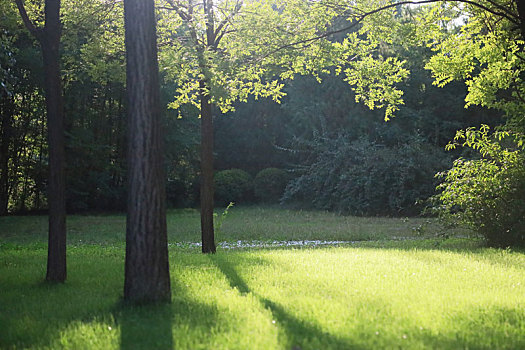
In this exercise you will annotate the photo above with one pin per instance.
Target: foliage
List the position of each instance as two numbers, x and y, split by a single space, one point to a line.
485 53
269 184
219 219
268 48
23 158
267 131
7 61
233 185
93 69
182 139
363 177
242 49
487 194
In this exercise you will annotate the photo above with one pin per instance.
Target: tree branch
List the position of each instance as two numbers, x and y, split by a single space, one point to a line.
177 7
226 21
504 9
34 30
505 14
358 19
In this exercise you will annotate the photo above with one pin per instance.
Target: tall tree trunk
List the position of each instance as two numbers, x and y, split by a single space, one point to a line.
50 43
146 270
206 200
49 38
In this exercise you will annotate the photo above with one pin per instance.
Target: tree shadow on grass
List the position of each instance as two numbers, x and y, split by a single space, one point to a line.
145 326
297 332
85 312
54 317
152 326
34 314
499 325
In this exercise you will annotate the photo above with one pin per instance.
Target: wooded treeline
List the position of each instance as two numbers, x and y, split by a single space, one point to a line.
358 163
298 89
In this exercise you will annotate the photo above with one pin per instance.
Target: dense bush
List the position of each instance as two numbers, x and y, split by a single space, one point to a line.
365 178
269 184
487 194
234 185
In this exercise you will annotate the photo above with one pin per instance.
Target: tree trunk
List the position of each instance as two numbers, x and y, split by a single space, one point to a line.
40 177
49 39
146 270
206 200
50 43
6 113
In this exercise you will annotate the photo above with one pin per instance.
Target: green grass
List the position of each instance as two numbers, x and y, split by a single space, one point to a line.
428 293
242 223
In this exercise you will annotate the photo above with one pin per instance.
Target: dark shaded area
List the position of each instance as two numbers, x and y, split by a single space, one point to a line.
143 327
34 314
39 303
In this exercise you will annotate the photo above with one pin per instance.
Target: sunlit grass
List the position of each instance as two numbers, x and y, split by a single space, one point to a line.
346 297
411 294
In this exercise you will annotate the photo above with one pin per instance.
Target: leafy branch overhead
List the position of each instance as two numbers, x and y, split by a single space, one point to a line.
249 48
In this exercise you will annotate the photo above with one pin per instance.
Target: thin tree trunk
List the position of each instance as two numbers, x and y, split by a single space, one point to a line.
49 38
40 177
146 270
24 195
6 113
206 200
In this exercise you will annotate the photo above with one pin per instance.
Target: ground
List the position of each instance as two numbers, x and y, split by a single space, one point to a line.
412 291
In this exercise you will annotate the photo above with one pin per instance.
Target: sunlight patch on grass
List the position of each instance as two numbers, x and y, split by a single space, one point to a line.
421 295
408 296
375 292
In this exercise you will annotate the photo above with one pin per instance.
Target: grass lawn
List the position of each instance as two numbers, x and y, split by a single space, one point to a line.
242 223
373 294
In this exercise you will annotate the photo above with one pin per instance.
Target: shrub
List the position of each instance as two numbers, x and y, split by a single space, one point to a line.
365 178
234 185
269 184
486 194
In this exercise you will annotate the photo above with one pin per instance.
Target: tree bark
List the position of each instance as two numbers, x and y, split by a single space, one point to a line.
206 200
146 268
6 113
49 39
56 258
